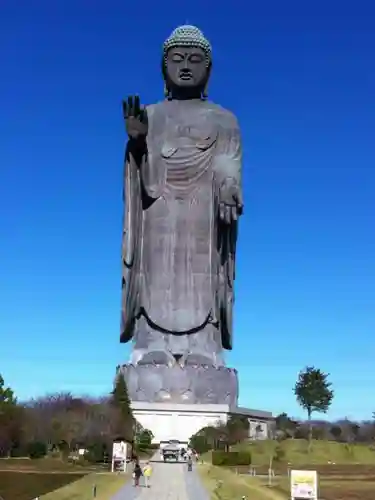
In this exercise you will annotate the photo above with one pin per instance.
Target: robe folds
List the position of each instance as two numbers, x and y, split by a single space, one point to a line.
178 257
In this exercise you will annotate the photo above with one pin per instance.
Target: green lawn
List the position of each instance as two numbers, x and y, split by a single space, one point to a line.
107 485
295 452
344 472
223 484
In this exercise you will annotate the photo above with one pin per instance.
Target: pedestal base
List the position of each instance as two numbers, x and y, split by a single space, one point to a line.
181 384
180 422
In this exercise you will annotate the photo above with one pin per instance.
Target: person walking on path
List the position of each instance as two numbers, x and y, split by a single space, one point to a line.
137 473
147 473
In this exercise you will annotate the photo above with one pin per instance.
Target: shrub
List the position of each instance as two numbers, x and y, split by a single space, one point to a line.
231 458
96 453
143 440
19 451
200 444
36 449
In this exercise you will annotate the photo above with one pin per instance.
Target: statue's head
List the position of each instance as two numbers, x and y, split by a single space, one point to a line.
186 63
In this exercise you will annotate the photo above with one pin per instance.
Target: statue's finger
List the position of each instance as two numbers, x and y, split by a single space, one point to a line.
143 115
124 109
130 106
137 105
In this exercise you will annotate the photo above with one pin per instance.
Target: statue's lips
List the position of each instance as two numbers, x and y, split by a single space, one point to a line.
185 76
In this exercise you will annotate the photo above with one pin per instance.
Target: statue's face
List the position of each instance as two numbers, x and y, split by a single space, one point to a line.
186 67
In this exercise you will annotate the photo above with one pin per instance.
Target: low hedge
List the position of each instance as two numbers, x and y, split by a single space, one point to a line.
231 458
37 449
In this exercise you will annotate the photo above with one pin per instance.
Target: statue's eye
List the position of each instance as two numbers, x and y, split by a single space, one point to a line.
176 57
196 58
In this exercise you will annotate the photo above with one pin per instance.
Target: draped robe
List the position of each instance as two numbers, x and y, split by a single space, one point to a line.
178 258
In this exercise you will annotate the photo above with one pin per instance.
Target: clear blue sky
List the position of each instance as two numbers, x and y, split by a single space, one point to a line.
301 78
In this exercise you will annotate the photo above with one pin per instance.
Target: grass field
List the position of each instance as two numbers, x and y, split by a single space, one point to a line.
336 488
106 483
226 485
43 464
28 485
53 479
345 472
295 451
223 484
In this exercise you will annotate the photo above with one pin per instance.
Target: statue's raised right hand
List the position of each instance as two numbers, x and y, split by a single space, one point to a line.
135 117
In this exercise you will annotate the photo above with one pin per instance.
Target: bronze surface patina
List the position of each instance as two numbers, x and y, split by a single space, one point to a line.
182 201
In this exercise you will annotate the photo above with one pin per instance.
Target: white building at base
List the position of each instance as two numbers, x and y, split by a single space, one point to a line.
168 421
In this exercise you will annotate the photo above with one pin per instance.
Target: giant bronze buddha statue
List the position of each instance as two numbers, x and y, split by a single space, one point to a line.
182 201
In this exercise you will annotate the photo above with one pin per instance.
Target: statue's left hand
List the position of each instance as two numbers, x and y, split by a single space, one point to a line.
230 203
136 119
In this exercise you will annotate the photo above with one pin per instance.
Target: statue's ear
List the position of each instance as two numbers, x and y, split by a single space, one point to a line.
163 68
167 92
205 88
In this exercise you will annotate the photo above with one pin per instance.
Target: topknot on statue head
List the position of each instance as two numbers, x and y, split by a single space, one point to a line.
188 36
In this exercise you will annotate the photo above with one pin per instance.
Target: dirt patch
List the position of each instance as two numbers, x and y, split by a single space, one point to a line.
334 487
363 492
24 486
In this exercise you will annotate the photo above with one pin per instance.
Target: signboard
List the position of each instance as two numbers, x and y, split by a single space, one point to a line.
119 454
119 450
304 484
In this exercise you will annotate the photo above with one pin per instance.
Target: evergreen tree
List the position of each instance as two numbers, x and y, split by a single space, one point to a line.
7 398
313 393
10 419
121 402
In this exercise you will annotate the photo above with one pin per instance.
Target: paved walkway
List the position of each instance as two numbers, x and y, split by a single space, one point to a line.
169 481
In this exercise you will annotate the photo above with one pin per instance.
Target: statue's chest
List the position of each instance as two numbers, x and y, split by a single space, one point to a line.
186 146
192 125
188 133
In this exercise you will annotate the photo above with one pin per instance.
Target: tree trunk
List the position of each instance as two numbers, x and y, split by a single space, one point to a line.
270 470
310 430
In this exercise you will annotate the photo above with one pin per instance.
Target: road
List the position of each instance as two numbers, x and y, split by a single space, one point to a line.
169 481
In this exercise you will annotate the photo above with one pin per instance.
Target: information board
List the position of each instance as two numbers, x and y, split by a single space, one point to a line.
304 485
